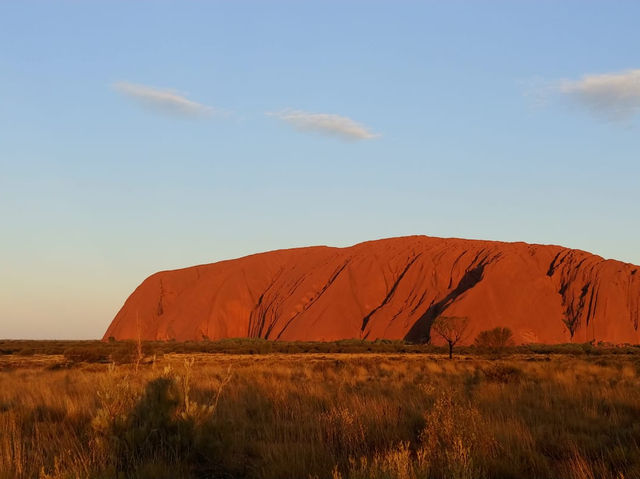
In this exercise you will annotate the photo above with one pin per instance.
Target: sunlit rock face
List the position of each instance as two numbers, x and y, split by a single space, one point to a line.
392 288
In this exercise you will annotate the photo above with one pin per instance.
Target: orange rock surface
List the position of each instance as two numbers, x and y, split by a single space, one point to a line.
392 288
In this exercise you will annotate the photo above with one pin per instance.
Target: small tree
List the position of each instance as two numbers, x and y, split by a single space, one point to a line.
496 338
452 329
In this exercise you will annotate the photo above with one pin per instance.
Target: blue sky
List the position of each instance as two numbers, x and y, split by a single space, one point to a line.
140 136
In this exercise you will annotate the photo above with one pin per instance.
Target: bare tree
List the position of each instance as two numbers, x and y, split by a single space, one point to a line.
452 329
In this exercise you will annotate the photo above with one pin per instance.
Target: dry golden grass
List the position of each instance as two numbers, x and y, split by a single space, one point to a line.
348 416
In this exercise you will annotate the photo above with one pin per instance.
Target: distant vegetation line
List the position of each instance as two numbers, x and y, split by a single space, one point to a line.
125 351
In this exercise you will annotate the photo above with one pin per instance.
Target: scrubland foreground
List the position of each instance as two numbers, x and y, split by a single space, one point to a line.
348 416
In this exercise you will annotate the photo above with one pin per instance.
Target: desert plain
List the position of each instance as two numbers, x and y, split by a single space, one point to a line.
347 409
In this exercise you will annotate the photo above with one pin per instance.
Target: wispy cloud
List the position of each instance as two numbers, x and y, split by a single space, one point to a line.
613 96
325 123
163 100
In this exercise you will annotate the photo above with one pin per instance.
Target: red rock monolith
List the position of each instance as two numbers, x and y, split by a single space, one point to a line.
392 288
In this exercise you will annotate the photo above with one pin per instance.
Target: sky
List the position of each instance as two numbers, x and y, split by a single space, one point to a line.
143 136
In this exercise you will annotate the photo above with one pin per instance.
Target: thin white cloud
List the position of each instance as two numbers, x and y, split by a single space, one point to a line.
614 96
163 100
325 123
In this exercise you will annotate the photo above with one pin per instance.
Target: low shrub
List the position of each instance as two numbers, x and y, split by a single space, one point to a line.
86 355
125 353
26 351
453 444
496 338
503 373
